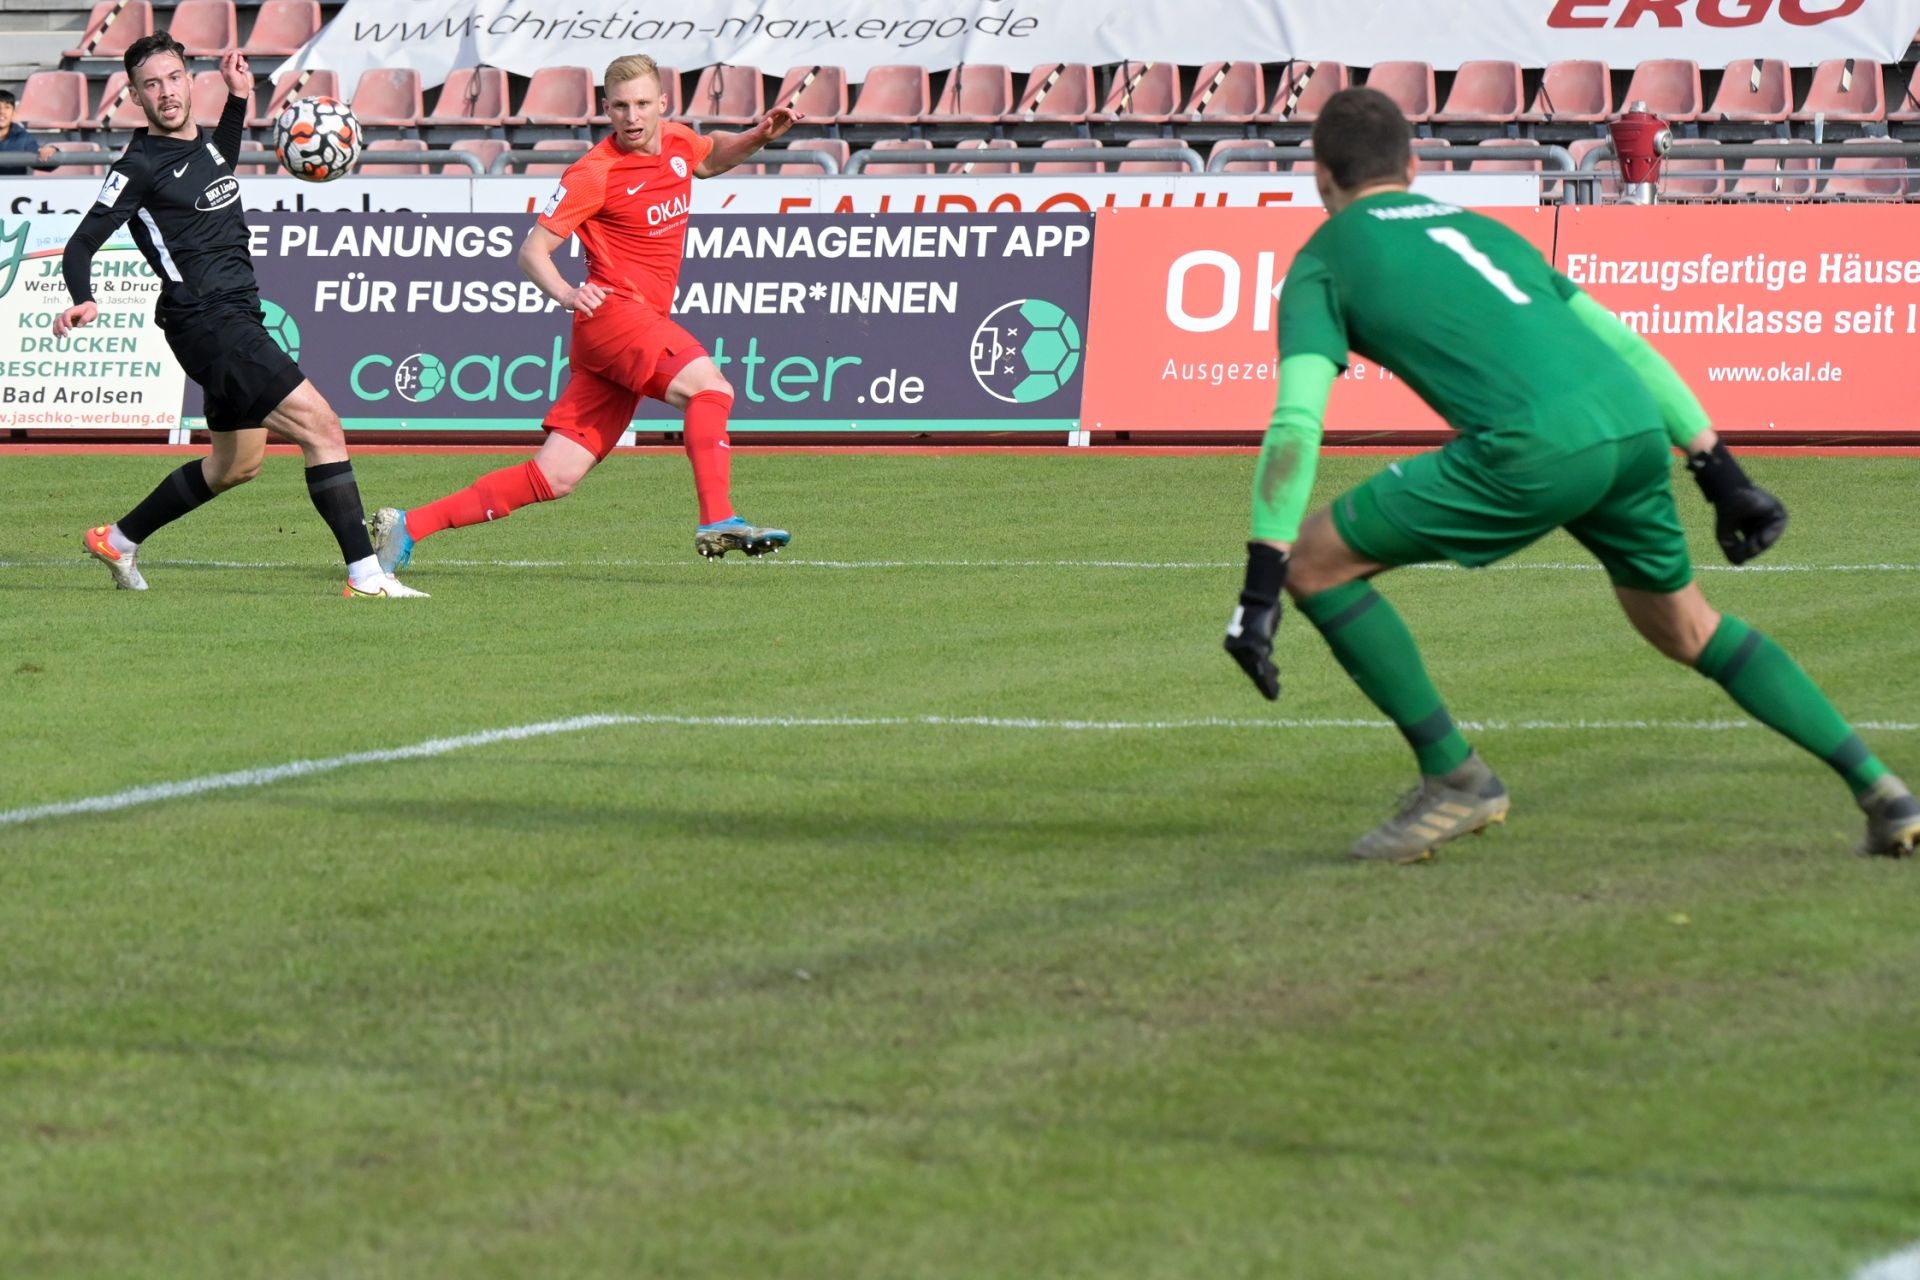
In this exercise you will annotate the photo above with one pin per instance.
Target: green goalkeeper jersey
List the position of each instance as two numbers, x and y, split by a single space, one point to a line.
1471 317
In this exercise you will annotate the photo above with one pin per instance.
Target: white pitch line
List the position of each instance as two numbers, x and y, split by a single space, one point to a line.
784 562
1904 1265
247 778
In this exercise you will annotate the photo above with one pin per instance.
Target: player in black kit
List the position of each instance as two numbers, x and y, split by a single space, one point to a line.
178 187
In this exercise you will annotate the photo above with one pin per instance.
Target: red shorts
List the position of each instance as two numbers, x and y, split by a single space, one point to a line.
622 352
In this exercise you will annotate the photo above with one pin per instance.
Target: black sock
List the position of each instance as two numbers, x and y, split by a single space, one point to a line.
336 496
172 498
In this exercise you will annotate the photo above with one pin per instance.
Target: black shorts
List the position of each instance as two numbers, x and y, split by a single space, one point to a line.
239 366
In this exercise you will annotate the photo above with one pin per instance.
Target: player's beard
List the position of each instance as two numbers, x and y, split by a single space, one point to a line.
156 123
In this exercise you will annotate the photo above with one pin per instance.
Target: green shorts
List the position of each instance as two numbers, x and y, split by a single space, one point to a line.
1615 497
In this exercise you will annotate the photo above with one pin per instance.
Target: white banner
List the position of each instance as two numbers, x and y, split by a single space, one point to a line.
435 36
115 374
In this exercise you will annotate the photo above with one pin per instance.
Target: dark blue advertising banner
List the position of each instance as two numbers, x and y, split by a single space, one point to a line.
861 322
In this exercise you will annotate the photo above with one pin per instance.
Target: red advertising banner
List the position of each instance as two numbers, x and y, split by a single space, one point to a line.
1795 319
1181 324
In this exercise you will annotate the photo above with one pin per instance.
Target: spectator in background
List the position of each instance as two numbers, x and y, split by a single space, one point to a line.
14 135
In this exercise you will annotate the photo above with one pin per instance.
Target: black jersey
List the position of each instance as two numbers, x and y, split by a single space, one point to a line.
184 203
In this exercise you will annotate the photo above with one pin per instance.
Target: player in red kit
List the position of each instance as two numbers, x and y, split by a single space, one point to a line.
627 201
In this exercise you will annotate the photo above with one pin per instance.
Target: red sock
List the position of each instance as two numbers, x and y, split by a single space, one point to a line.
708 451
490 497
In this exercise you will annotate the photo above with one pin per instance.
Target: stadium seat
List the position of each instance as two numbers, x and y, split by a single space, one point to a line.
982 168
1142 93
1775 180
835 147
1227 147
78 170
388 98
485 150
1070 166
1226 93
817 92
1608 188
53 100
1864 178
472 97
975 94
1486 158
1058 95
892 96
1484 92
574 145
119 110
561 96
1905 111
207 28
1409 84
1572 91
111 29
1670 87
1152 166
281 27
293 85
724 97
1423 153
1686 180
896 144
1304 89
210 98
1845 90
1756 90
387 146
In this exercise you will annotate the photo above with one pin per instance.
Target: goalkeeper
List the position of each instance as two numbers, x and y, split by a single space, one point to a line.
1565 418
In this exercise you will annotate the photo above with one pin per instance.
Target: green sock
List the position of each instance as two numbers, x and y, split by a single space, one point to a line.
1771 687
1373 644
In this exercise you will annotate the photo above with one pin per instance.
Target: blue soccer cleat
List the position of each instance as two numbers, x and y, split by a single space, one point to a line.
734 534
391 541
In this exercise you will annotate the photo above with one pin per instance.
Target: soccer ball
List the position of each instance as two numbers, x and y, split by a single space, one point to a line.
1025 351
317 139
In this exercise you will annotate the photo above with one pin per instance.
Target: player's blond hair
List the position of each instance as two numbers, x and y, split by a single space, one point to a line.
630 67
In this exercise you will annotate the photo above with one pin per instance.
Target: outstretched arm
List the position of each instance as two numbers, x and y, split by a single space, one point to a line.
730 149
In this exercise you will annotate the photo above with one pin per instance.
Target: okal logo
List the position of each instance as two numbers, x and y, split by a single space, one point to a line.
1025 350
281 327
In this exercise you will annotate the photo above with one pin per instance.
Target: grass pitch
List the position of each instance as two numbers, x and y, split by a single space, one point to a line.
888 996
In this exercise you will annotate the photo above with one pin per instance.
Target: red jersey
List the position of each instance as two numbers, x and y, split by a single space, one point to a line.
630 211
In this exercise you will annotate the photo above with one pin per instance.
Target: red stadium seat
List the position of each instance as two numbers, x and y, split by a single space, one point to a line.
975 93
1692 179
485 150
817 92
387 146
78 170
1670 88
53 100
724 97
574 145
1142 93
209 98
111 29
562 96
1409 84
1771 180
1070 166
388 98
208 28
1487 159
1060 94
1845 89
1229 146
1574 91
1483 93
1304 89
1153 166
471 96
119 110
293 85
1905 111
1428 163
1231 93
1863 178
835 147
896 144
891 95
1756 90
983 168
281 27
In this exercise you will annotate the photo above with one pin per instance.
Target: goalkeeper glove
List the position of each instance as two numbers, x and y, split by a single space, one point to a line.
1257 616
1747 519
